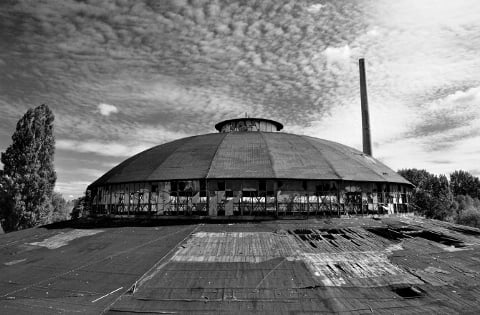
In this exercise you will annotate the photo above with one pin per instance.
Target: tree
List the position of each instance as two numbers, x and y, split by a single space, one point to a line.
79 208
432 195
464 183
28 175
60 210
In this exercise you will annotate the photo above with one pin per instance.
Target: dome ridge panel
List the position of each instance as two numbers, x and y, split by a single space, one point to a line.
353 169
140 166
242 154
191 160
334 170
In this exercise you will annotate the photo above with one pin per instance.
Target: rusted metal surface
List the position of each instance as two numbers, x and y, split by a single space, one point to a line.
353 265
251 155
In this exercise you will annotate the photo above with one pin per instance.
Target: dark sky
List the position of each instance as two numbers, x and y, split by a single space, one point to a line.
122 76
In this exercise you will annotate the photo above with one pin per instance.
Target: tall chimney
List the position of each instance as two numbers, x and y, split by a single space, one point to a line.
367 141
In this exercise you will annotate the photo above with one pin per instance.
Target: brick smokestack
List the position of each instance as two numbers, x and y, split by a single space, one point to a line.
367 141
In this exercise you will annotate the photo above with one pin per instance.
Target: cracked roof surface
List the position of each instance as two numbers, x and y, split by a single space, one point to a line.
352 265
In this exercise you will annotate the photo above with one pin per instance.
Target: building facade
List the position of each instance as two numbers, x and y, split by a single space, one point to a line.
250 168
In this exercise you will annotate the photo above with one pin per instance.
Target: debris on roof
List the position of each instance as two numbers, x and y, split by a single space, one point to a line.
393 264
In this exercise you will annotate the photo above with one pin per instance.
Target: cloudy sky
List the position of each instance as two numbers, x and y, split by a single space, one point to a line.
122 76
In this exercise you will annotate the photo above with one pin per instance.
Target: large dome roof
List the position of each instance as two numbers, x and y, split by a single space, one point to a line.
266 155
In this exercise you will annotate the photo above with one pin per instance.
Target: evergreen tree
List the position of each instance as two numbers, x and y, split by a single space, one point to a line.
28 175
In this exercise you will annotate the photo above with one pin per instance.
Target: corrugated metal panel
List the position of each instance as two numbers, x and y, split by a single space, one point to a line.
191 160
294 157
242 155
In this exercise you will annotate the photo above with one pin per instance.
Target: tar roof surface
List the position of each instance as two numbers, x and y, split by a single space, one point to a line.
267 155
403 265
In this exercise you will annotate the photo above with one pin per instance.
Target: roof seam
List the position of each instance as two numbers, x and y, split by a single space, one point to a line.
323 156
269 155
171 153
207 175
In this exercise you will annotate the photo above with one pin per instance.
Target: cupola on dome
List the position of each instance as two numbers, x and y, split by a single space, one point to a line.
250 168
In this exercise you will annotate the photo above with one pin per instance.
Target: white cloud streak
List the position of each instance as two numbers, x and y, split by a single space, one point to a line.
101 148
107 109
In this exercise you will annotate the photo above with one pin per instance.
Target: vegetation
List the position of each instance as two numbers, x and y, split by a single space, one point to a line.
28 176
79 208
455 200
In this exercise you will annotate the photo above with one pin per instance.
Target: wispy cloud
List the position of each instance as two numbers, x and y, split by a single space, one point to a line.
100 148
72 189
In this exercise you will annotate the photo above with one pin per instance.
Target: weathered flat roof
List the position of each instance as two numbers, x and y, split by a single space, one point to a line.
354 265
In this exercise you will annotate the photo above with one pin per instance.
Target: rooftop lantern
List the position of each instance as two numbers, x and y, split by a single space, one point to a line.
248 124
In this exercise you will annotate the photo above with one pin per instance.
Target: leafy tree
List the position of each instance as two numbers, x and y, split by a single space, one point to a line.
79 208
464 183
432 195
60 208
28 175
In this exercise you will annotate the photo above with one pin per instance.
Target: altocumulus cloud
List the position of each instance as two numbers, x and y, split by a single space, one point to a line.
174 68
101 148
107 109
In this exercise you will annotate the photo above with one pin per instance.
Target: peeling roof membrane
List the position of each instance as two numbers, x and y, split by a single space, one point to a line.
64 238
276 267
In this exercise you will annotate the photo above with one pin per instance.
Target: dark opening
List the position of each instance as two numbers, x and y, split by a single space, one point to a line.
410 292
355 243
181 186
387 233
249 193
464 231
302 231
329 236
331 242
262 185
339 267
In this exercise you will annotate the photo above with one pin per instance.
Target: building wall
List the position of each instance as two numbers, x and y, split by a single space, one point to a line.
250 197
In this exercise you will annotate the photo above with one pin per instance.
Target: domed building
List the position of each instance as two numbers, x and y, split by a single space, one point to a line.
250 168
